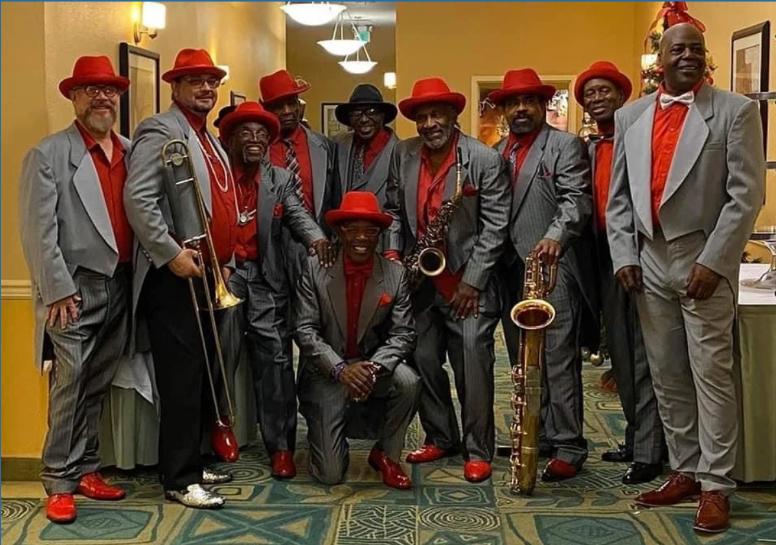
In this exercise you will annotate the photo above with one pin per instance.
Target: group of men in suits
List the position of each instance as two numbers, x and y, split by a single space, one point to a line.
649 240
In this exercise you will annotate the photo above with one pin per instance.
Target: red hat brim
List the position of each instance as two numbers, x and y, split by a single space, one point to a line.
500 95
280 96
618 78
381 219
408 106
67 84
234 118
210 70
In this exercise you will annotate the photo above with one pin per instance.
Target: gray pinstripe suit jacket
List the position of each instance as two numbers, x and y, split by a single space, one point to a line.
375 177
386 327
479 227
63 220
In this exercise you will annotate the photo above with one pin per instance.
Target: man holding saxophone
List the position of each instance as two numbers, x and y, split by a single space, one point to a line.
551 208
163 268
451 192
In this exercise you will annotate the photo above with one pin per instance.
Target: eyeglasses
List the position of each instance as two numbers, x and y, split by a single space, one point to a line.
353 230
525 100
93 91
258 134
371 113
199 81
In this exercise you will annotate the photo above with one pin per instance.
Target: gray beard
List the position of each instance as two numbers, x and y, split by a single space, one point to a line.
99 124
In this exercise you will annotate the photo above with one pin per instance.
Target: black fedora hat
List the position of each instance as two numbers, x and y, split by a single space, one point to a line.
365 96
222 113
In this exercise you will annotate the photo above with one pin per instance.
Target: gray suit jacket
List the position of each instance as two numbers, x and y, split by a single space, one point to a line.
375 177
386 327
63 220
145 198
715 185
479 227
279 206
553 199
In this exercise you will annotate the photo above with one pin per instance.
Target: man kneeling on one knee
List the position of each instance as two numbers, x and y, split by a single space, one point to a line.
355 330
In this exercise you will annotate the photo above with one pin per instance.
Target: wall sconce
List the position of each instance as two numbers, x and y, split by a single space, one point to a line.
225 68
153 16
389 80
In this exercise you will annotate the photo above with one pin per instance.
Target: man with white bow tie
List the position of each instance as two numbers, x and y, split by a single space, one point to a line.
687 184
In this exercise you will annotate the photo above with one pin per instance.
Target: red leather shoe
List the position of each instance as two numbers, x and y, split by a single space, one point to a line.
676 489
558 470
94 487
224 443
427 453
60 508
713 515
476 471
392 473
283 465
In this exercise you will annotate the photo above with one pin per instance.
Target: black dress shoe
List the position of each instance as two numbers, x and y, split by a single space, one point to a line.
641 473
620 454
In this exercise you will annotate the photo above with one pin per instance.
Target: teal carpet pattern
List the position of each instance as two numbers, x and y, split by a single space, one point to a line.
443 509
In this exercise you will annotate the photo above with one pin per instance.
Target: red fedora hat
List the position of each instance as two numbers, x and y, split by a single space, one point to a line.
192 61
430 90
280 85
522 82
359 205
249 111
92 71
605 70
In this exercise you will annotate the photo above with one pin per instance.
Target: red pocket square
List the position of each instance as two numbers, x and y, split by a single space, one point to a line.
470 191
385 299
278 211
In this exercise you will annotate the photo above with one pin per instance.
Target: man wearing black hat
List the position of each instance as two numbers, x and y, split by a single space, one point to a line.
364 154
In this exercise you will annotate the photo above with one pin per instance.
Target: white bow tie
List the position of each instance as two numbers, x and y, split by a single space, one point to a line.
685 98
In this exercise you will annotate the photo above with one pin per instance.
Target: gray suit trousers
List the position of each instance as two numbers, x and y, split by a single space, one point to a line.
644 430
86 356
469 345
263 316
562 403
690 351
324 404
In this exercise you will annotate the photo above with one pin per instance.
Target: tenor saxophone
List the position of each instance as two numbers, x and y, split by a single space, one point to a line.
426 258
532 315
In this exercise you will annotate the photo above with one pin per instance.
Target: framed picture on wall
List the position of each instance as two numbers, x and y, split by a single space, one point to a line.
749 52
329 124
142 98
236 98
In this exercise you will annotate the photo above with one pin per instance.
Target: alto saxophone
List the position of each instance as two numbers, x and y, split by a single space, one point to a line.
426 259
532 315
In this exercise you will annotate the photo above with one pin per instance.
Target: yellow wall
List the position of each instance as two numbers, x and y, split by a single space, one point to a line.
329 82
40 43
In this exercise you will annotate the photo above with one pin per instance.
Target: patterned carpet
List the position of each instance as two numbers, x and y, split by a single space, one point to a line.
442 509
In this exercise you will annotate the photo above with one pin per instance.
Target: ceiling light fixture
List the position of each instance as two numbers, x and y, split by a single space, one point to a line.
312 13
340 46
358 66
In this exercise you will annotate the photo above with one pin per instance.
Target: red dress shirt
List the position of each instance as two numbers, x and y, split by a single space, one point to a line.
356 277
223 221
666 130
375 147
277 156
524 142
431 189
112 175
603 177
247 243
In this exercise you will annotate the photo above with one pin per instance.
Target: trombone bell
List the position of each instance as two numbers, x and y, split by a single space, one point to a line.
222 297
432 262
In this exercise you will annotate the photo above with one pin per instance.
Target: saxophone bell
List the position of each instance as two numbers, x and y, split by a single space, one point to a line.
432 261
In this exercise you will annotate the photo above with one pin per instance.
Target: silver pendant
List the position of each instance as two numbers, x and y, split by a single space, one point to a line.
243 218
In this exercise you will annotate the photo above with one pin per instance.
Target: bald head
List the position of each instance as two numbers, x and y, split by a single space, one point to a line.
682 57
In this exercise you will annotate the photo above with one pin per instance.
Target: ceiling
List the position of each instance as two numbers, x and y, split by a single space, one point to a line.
378 14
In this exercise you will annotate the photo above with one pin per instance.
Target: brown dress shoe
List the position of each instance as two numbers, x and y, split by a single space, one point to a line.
713 515
676 489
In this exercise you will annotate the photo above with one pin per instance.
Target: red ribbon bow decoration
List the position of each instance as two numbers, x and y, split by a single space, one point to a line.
673 13
385 300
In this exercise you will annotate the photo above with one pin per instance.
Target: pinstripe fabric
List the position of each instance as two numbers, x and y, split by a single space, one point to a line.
553 199
86 353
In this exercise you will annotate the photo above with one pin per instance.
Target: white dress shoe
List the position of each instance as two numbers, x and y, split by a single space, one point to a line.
195 496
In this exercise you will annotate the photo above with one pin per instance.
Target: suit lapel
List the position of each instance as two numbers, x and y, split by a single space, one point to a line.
529 168
378 170
412 173
318 164
344 161
369 303
450 179
638 150
691 142
87 184
197 157
266 209
337 289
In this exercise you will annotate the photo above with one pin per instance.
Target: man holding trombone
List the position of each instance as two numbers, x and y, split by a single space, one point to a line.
173 191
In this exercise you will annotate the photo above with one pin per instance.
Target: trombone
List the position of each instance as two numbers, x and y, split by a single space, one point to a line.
190 220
